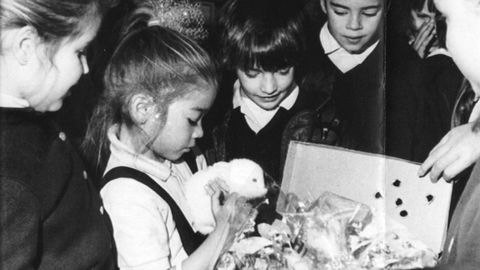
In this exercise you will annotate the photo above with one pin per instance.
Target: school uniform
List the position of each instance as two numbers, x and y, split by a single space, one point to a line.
354 86
250 132
51 216
145 230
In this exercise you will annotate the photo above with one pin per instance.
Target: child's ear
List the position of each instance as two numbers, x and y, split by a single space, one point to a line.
323 4
142 108
25 42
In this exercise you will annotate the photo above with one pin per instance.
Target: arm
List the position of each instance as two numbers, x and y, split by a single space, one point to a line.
139 220
143 230
19 226
230 219
459 149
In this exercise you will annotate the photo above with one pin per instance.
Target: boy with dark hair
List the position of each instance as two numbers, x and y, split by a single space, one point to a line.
262 43
345 71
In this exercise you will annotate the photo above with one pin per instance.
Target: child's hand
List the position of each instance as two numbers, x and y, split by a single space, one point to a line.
217 189
423 38
457 150
234 213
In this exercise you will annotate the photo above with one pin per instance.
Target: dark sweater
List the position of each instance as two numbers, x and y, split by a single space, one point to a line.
358 96
50 213
234 139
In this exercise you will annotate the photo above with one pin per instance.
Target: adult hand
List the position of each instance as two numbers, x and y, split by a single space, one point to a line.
423 38
457 150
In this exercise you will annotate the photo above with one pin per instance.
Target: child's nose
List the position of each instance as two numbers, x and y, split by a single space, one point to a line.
84 63
198 132
354 22
269 83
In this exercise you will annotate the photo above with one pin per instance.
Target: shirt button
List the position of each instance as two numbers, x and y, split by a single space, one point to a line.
62 136
85 175
101 210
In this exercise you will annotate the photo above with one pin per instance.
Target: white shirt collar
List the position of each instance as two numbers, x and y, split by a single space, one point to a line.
123 153
342 59
256 117
438 51
10 101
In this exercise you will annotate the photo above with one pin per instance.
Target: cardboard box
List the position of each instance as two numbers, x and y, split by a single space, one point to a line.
386 184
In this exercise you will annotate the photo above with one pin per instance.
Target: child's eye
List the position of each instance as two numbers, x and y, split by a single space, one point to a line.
193 122
251 73
340 11
284 71
370 13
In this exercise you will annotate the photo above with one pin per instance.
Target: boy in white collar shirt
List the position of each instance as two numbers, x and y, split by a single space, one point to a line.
352 30
261 42
345 71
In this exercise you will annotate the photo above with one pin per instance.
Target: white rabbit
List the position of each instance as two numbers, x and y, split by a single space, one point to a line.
242 176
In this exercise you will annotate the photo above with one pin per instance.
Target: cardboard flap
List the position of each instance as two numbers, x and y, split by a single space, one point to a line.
386 184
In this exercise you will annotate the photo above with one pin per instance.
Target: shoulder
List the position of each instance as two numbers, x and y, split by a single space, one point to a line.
15 195
34 151
128 191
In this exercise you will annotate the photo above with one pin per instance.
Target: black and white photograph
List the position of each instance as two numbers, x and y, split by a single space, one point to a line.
239 134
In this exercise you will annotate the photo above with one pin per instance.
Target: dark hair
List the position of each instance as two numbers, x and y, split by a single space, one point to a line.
54 20
268 34
417 5
151 60
401 16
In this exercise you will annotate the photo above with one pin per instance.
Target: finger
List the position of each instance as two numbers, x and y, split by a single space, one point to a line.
427 165
216 195
437 152
422 36
424 28
440 166
222 184
456 167
209 190
443 141
423 42
424 31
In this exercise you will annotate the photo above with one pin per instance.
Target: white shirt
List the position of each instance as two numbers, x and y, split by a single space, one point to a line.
256 117
8 101
341 58
144 229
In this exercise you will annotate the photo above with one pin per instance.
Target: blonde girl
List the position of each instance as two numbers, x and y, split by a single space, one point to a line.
51 215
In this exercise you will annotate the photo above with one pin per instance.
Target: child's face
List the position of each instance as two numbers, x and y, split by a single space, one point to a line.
421 17
355 24
183 124
266 89
463 35
52 78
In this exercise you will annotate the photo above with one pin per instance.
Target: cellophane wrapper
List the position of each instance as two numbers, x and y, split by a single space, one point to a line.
331 233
